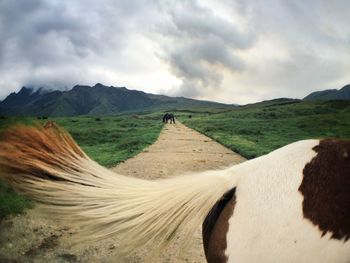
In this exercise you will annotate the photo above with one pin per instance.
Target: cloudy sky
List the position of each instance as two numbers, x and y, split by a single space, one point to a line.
234 51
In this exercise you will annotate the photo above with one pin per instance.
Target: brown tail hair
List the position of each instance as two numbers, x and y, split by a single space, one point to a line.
46 164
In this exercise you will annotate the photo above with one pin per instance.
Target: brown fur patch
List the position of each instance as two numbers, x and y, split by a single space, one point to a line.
215 228
326 188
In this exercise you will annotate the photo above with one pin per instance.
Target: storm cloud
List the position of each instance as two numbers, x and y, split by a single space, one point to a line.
200 46
232 51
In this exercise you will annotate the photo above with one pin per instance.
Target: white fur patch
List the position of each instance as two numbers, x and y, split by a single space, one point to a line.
268 223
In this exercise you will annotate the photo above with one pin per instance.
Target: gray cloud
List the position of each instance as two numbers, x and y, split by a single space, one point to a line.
303 46
200 45
58 44
233 51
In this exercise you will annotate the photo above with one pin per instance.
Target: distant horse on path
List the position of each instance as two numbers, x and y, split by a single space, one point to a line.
167 117
291 205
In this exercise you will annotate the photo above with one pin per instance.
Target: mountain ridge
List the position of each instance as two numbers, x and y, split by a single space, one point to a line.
330 94
103 100
91 100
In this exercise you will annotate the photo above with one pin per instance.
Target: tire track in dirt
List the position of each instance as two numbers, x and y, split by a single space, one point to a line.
178 150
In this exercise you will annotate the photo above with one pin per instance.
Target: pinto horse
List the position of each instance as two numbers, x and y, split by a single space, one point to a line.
291 205
167 117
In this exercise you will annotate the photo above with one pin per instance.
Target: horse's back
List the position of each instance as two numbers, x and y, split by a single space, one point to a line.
269 221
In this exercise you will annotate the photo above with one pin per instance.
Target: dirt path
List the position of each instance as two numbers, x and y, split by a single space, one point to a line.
30 238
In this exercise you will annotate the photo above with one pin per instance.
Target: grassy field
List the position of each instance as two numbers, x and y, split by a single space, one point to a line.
251 130
108 140
255 130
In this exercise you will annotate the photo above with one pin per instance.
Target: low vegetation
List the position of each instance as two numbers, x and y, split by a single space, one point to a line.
112 139
251 130
10 202
255 130
106 139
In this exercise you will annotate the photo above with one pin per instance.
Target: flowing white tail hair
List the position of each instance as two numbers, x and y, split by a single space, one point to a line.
46 164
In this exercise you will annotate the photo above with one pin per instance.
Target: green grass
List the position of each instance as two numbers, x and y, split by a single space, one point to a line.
255 130
112 139
106 139
10 202
252 130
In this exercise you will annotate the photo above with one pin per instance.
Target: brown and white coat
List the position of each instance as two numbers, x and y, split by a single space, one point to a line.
292 205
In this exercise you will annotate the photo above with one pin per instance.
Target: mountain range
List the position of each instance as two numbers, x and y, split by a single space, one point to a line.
330 94
95 100
104 100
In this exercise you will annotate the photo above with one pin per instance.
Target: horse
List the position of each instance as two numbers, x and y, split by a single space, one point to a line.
169 116
291 205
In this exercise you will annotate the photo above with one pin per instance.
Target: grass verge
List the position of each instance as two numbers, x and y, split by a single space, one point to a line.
256 130
106 139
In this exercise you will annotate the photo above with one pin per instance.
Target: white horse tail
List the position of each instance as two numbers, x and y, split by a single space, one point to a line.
49 167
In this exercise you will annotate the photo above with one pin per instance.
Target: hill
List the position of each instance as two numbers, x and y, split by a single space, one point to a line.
96 100
257 129
330 94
